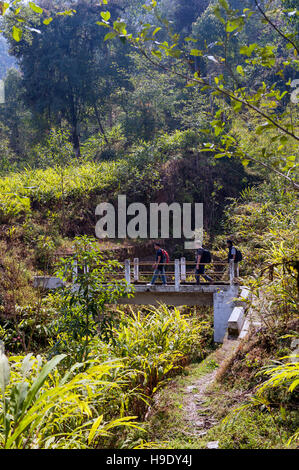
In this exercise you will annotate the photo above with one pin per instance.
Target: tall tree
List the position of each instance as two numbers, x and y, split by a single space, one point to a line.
66 64
183 13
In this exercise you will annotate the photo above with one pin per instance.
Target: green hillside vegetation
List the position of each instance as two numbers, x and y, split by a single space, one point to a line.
162 102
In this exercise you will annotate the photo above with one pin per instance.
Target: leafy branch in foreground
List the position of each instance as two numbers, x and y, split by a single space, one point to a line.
173 56
18 13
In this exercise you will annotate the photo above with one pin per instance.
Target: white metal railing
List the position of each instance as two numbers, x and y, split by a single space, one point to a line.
179 272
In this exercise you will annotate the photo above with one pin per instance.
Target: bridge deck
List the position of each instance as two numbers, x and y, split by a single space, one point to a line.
183 288
170 295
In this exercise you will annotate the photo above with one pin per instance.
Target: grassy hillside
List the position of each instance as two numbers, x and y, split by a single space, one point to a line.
196 105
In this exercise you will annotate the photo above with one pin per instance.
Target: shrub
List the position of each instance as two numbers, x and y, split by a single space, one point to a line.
42 407
275 393
158 344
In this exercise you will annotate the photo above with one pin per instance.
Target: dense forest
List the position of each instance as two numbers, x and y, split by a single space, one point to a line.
162 101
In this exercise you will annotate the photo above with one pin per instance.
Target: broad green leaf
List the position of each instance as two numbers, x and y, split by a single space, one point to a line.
237 106
294 385
17 397
35 8
110 35
157 54
156 31
190 39
17 34
217 131
94 428
174 53
231 26
47 21
196 52
220 155
247 50
101 23
44 373
105 15
26 364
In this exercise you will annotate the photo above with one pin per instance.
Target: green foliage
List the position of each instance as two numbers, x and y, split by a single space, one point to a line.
285 378
78 405
57 151
76 82
262 100
6 154
254 430
158 343
42 408
45 249
14 280
31 328
96 148
212 79
265 228
82 305
17 119
57 184
20 14
285 375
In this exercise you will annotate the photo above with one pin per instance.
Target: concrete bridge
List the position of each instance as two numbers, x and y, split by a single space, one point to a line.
180 290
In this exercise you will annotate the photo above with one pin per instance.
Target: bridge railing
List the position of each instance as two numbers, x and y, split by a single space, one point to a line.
179 271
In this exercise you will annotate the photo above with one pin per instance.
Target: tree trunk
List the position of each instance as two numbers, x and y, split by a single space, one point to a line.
76 141
100 124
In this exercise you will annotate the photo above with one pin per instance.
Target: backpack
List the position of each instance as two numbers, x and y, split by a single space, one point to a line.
165 256
206 256
239 256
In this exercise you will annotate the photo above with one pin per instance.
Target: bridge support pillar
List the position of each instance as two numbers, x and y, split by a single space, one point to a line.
223 307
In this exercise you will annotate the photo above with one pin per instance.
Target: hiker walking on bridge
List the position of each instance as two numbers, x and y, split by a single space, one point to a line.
202 256
159 265
234 254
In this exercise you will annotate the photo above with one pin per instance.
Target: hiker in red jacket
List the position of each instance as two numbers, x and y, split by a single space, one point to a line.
159 265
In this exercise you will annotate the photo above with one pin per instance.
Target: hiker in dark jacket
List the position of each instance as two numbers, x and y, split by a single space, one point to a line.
232 255
200 268
159 266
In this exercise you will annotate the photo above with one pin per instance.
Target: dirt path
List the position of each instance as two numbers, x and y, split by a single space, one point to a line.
181 413
196 413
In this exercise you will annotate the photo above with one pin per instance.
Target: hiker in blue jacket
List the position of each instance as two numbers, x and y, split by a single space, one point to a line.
233 255
200 268
159 265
